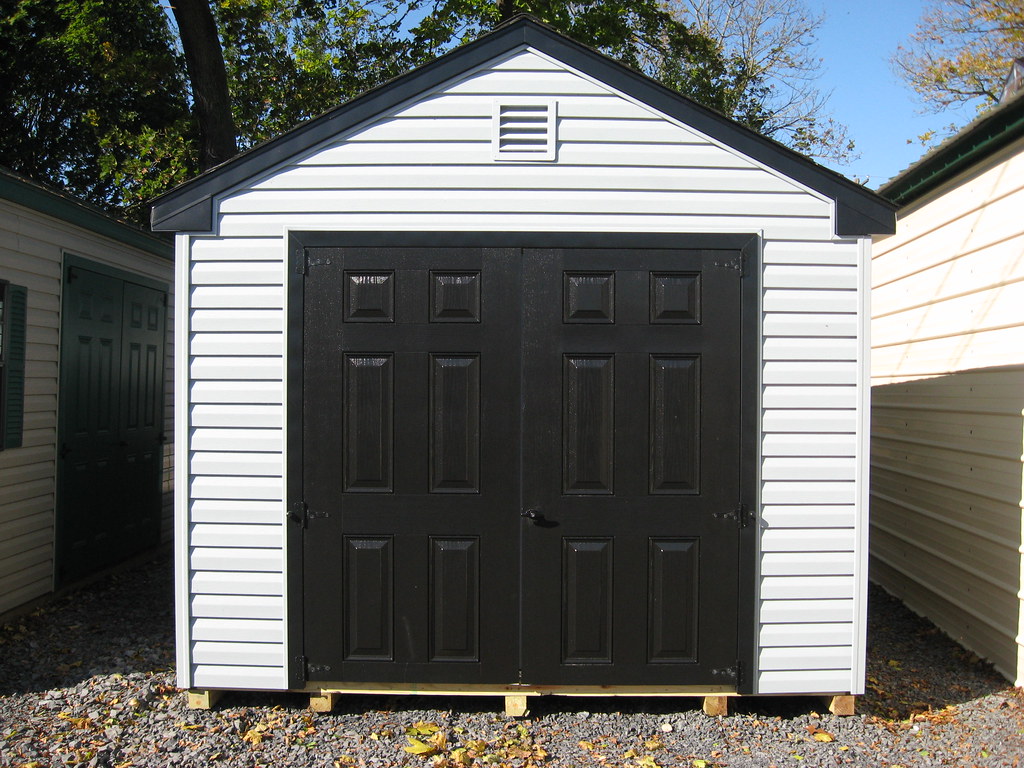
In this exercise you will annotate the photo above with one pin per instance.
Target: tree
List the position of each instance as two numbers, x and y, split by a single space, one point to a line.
961 52
288 61
769 45
639 33
209 79
92 98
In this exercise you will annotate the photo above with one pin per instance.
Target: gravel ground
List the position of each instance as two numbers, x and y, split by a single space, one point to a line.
88 680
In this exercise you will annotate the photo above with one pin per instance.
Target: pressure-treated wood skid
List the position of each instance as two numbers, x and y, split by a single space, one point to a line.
715 704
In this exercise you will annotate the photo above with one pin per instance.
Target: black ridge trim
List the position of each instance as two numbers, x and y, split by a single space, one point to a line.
874 214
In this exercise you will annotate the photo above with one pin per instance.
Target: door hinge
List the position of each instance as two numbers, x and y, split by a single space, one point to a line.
299 261
740 673
732 673
303 664
741 513
299 512
738 264
314 671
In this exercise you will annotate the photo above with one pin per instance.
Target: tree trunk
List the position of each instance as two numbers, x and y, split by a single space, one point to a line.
506 10
205 61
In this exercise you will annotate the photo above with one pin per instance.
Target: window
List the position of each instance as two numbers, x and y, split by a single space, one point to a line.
13 310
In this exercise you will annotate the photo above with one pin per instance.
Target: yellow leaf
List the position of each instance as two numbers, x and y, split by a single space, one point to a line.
823 736
630 754
375 736
843 748
700 764
461 757
653 744
417 747
648 761
477 745
586 745
439 741
254 736
344 761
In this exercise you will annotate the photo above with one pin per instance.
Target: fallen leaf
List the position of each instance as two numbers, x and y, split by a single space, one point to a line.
586 745
254 736
700 764
654 744
417 747
824 736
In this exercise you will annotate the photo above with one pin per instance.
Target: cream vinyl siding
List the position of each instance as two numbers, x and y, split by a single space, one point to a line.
32 248
428 166
948 393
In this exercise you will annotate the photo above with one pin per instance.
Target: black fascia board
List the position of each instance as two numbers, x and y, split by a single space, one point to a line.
859 212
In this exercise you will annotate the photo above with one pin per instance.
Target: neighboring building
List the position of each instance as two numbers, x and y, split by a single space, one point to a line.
560 378
948 388
86 460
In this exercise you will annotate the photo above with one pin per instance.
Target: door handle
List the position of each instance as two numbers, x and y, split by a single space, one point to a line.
534 515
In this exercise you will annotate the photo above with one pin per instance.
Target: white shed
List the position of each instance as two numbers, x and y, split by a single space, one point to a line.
85 469
948 389
522 374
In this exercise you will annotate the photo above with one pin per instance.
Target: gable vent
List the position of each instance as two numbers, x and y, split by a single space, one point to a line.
524 131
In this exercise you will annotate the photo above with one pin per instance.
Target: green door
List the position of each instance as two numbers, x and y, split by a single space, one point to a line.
111 437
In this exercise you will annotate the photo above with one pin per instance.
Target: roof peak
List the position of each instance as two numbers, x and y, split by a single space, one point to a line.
190 206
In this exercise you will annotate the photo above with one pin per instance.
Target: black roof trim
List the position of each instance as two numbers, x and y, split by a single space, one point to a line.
979 139
190 206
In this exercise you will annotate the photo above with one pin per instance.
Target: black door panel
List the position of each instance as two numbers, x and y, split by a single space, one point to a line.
522 465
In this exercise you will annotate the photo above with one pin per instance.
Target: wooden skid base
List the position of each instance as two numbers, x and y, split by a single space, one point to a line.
203 698
716 698
515 706
716 706
842 706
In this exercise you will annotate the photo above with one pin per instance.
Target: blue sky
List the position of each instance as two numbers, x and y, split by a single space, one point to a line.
881 113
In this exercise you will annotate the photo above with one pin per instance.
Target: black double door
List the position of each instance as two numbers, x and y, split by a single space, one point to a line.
520 465
111 437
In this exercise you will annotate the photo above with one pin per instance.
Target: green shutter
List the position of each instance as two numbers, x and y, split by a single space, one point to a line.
14 391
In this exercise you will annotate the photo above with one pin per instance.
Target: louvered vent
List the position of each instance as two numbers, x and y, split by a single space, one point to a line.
524 131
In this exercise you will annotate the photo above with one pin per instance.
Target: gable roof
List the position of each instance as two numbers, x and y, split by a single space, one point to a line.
190 207
984 136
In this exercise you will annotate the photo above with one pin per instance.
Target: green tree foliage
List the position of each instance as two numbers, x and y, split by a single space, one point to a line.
94 94
92 98
337 50
961 52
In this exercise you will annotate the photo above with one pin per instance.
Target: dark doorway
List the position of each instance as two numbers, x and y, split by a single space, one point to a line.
110 433
522 464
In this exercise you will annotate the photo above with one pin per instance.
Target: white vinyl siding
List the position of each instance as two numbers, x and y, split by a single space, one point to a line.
32 248
948 376
620 167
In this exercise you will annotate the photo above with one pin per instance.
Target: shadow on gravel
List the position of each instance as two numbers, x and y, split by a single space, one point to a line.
914 667
122 624
126 625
